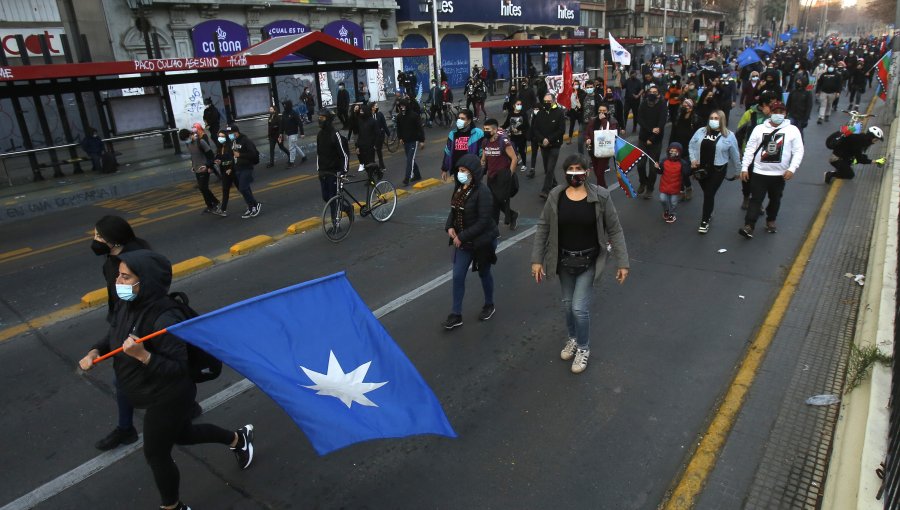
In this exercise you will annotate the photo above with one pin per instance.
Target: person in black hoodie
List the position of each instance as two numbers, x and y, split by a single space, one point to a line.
856 84
332 155
368 133
412 136
292 130
651 120
343 104
245 157
517 127
113 236
851 149
799 104
154 375
547 129
684 125
473 234
275 138
381 131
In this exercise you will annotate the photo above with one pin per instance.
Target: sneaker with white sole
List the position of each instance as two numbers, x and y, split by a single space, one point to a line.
487 311
255 212
581 359
568 351
247 214
704 227
243 451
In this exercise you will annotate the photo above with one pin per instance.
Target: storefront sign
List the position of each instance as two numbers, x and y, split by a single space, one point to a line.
517 12
32 41
284 27
346 31
232 38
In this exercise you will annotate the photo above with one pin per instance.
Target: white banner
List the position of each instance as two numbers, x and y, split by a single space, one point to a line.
619 53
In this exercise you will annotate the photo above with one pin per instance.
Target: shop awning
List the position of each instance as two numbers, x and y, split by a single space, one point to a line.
548 45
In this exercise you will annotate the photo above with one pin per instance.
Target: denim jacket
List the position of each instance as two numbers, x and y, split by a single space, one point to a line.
726 151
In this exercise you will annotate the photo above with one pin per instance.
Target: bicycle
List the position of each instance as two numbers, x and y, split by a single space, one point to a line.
855 124
391 140
338 213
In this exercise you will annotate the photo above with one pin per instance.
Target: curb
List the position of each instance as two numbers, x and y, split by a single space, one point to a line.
191 265
94 298
250 245
427 183
303 226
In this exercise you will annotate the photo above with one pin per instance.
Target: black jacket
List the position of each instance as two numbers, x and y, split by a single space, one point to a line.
649 117
853 147
212 118
290 121
633 87
247 149
166 375
800 104
829 83
368 133
343 99
409 127
684 128
549 124
517 125
111 272
274 126
479 229
332 154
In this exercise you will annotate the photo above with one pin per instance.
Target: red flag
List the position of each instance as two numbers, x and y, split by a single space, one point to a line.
565 96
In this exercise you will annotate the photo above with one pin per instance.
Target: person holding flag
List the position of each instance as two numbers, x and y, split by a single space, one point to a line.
155 377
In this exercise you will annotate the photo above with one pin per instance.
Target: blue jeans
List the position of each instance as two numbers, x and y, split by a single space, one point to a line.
412 168
462 260
244 178
669 202
126 410
577 293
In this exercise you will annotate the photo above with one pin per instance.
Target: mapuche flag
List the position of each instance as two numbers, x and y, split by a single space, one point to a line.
882 71
627 155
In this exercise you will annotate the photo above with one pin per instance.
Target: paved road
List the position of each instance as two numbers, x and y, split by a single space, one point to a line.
532 435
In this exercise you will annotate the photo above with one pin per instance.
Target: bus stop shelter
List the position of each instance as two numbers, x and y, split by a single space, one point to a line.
311 53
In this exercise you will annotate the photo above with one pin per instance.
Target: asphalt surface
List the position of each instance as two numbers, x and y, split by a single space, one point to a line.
531 434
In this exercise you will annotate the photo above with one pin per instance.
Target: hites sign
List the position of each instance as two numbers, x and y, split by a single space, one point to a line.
531 12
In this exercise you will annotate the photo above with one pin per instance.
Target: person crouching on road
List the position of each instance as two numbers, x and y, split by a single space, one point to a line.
473 235
672 171
202 157
499 160
775 149
245 156
851 149
156 377
577 223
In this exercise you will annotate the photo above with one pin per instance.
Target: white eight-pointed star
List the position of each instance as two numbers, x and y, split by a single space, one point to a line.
346 387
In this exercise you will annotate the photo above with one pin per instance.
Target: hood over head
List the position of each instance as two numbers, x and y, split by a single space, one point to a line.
472 163
153 270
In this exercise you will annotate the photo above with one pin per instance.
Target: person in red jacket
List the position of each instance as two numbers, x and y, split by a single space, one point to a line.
672 170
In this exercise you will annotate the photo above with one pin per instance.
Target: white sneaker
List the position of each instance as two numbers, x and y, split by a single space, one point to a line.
581 359
568 351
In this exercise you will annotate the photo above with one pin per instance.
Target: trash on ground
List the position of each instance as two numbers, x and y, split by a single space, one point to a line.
722 250
858 278
740 296
823 400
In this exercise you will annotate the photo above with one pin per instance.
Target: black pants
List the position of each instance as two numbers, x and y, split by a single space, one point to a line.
167 424
630 107
535 146
227 183
760 187
244 178
574 118
342 116
647 173
843 169
549 155
500 187
366 155
521 148
203 183
710 186
272 143
379 146
855 93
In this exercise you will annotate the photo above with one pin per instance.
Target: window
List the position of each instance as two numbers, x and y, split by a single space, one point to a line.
592 19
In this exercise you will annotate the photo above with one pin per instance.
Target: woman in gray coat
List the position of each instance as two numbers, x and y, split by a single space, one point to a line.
578 229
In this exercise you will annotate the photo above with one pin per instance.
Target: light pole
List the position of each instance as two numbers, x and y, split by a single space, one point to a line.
426 5
664 27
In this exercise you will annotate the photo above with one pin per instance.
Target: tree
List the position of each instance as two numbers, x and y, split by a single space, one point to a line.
773 9
881 9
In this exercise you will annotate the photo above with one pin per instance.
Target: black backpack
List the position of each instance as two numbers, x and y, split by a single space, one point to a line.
202 365
833 140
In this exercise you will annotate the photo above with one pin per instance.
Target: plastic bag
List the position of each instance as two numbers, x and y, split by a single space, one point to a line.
604 143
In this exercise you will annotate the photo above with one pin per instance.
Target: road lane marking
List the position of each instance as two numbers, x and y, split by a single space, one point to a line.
13 253
106 459
704 458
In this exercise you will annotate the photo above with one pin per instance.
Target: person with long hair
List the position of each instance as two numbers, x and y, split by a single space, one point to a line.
714 157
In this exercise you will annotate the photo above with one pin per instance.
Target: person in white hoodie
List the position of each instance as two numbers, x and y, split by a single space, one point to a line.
774 151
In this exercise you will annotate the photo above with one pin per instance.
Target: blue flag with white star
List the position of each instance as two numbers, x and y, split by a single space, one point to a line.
320 354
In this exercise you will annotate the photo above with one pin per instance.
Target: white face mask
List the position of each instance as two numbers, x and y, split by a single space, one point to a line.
462 177
777 118
460 123
126 292
714 124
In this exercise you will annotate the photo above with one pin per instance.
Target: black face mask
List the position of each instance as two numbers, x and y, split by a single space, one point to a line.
99 248
576 180
321 123
652 97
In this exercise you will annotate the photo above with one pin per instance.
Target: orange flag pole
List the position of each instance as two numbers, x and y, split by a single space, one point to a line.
138 341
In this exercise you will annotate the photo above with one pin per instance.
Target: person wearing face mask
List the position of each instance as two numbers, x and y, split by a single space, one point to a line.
292 131
589 101
828 87
672 172
753 117
112 237
202 157
464 139
651 119
332 155
473 236
93 146
380 133
307 98
548 127
343 104
511 97
750 90
576 112
800 104
856 85
579 221
714 157
775 149
245 157
601 121
499 161
211 116
154 375
634 90
517 128
412 137
674 96
273 125
684 125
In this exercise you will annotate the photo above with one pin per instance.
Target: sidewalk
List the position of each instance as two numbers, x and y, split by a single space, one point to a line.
143 164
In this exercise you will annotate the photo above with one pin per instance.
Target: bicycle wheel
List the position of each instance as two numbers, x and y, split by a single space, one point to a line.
337 218
392 142
382 201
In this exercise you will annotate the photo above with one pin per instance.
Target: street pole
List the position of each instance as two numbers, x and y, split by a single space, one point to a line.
664 28
434 42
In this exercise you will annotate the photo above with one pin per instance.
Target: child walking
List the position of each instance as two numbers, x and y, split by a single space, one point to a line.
672 171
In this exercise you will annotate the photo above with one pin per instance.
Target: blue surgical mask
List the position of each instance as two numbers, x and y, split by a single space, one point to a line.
125 291
221 139
589 90
460 123
462 177
777 118
713 124
231 136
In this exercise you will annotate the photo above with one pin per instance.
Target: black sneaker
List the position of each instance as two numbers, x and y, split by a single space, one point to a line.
115 438
746 231
303 159
181 506
247 214
514 220
745 204
704 227
829 176
453 320
196 411
243 451
255 212
487 311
